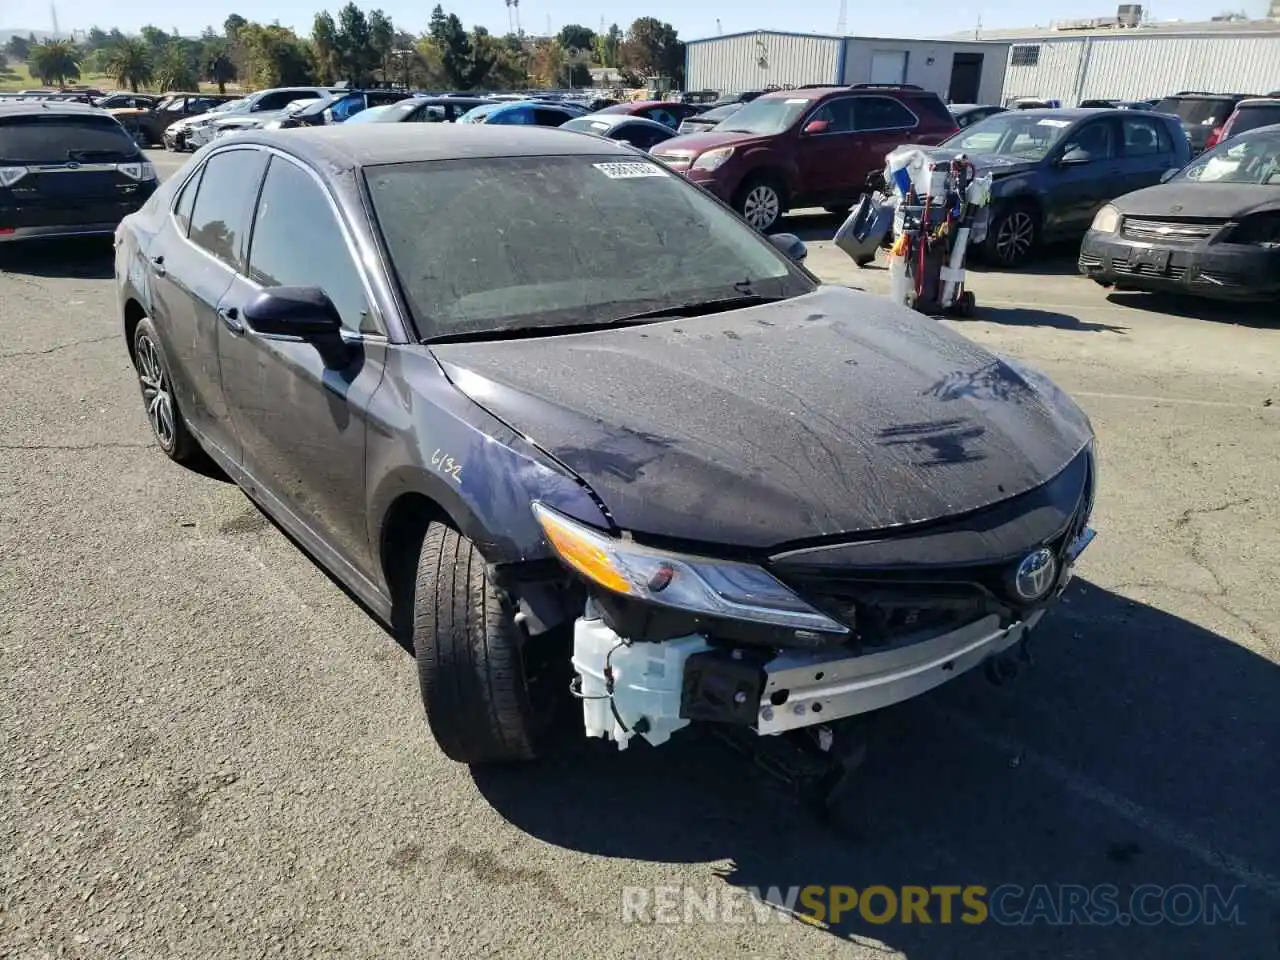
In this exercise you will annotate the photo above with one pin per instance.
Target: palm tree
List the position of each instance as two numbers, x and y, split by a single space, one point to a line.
220 69
55 62
129 62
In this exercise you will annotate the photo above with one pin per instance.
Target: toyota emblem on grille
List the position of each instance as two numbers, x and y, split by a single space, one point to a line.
1035 574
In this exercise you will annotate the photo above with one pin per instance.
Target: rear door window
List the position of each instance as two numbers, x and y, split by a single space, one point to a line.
55 138
224 204
1144 137
881 113
549 118
1252 116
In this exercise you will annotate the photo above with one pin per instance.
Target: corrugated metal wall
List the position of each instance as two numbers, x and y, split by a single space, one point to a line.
753 61
1141 67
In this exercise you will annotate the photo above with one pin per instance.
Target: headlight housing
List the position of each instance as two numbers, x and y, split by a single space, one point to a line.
11 175
1106 220
1260 229
702 586
712 159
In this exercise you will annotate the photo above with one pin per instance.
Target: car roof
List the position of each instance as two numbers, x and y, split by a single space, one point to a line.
1259 102
612 120
1073 113
342 148
19 107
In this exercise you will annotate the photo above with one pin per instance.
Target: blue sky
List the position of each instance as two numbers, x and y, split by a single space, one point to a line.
927 17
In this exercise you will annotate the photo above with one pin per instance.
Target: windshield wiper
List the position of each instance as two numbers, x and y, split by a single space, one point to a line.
680 310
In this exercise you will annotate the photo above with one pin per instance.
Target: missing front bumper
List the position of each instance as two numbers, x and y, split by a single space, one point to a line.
655 689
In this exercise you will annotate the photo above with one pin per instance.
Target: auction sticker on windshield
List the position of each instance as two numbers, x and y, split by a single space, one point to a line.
1055 123
628 171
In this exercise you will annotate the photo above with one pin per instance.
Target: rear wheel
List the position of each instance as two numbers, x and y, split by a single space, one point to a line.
470 657
760 203
156 383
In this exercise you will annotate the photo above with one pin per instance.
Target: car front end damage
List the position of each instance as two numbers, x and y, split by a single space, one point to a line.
1221 258
810 637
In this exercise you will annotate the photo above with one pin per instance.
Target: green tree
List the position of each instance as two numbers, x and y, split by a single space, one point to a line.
382 38
274 56
155 39
18 48
232 26
608 46
129 63
574 36
653 49
219 68
456 53
355 54
324 46
55 62
174 70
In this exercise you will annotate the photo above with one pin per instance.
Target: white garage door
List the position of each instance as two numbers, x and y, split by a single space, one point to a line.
888 66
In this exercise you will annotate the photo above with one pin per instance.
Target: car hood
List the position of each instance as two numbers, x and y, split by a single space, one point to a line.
692 144
127 111
249 119
996 165
832 413
1217 200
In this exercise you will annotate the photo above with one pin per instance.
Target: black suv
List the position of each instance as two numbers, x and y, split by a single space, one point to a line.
67 170
1202 114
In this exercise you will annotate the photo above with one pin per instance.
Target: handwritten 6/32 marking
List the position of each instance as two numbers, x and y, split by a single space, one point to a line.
447 465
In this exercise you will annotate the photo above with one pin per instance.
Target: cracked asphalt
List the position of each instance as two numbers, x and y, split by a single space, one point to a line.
208 750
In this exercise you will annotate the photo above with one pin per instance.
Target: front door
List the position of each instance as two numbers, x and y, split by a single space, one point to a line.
833 161
1079 189
217 235
300 411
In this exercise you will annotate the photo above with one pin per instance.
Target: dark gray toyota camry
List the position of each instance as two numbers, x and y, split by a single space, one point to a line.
574 428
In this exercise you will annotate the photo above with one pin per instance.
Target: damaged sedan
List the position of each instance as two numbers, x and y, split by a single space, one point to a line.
567 424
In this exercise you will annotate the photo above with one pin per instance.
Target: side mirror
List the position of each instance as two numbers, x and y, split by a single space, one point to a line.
1168 175
303 312
1074 158
791 246
816 126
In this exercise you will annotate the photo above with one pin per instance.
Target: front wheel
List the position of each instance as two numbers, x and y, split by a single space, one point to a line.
1013 235
470 657
759 202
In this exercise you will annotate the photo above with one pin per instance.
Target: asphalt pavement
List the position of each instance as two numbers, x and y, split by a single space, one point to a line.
208 750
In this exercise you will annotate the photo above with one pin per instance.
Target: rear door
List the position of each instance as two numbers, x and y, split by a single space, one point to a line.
883 124
64 168
1146 151
199 272
300 413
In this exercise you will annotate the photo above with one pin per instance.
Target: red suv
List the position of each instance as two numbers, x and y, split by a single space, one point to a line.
810 147
1248 115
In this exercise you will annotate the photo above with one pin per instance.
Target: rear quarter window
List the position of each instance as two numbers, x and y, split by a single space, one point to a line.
931 109
58 139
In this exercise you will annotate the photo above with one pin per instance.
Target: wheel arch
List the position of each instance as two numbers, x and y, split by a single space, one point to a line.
133 314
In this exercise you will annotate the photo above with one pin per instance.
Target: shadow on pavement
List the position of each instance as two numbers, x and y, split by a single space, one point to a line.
1141 749
88 258
1254 315
1027 317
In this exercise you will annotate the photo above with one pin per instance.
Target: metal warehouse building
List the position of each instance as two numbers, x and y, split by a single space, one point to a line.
1135 63
962 71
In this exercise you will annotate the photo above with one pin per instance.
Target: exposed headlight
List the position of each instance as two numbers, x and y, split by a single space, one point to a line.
272 125
1106 220
141 172
1262 229
713 159
698 585
11 175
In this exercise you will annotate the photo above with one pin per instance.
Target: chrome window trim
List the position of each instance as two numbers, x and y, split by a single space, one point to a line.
348 240
845 133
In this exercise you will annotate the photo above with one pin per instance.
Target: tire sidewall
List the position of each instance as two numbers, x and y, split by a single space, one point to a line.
1003 214
146 329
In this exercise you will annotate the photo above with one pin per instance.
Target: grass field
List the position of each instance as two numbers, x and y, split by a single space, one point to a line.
16 76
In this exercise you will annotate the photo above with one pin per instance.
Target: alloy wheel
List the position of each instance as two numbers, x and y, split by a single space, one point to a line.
156 392
1015 237
761 206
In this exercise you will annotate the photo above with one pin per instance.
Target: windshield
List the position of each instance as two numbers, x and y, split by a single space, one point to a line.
1254 115
594 125
718 114
374 114
1208 113
1029 136
1249 158
766 115
57 139
539 241
478 114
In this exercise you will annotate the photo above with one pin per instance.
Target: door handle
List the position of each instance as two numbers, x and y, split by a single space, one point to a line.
157 264
231 319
